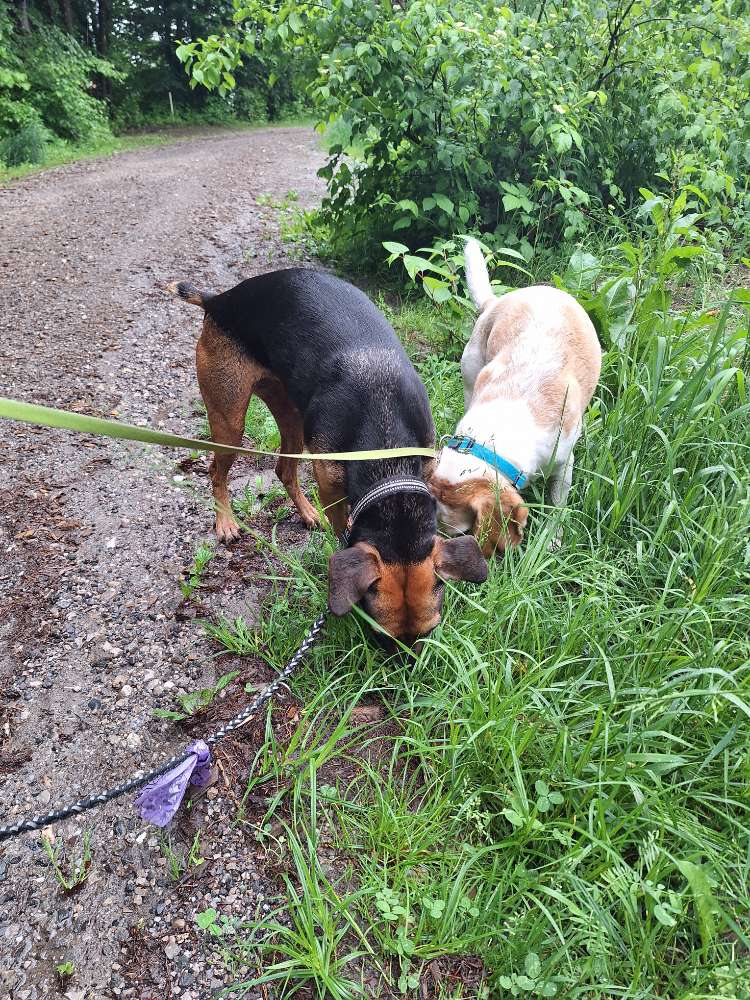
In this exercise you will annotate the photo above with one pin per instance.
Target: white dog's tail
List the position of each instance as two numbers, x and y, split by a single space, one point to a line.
477 276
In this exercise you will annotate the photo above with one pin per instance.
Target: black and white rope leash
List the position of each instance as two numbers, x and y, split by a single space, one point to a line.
38 822
387 487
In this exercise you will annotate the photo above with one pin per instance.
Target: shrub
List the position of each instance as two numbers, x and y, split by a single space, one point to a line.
536 119
28 145
61 76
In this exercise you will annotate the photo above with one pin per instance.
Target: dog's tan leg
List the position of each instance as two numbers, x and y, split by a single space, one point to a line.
289 422
226 378
330 477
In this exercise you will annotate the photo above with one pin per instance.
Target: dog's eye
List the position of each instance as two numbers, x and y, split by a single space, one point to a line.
372 589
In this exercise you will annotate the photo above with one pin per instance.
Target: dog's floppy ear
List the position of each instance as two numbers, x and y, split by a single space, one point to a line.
460 559
500 518
350 573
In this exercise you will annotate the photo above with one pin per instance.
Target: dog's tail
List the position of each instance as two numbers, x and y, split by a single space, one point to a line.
477 275
187 291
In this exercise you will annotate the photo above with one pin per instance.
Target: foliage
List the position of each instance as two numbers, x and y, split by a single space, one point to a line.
639 275
529 123
181 862
27 145
203 556
78 69
195 702
70 874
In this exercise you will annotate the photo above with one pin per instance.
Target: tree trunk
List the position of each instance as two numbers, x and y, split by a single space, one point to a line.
103 37
23 17
103 27
66 8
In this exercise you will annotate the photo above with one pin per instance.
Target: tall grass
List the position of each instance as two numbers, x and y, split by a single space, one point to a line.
560 782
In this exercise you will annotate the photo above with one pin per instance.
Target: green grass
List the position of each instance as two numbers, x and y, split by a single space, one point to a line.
559 784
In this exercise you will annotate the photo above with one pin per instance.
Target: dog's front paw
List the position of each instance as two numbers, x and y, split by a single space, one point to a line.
308 514
227 529
312 520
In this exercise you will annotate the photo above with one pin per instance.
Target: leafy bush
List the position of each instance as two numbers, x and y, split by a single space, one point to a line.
47 89
61 74
536 119
645 271
28 145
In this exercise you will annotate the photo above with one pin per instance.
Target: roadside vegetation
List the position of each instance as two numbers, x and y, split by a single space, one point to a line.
551 799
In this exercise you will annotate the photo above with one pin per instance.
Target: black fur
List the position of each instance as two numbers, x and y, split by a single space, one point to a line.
344 368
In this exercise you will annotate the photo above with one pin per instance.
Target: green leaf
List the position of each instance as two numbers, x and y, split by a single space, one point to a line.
407 205
703 899
511 202
206 918
513 817
397 248
582 271
164 713
664 916
295 22
532 965
445 203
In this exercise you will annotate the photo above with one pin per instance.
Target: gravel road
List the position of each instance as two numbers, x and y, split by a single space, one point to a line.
95 535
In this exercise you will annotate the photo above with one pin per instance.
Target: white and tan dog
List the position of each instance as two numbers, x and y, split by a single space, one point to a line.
529 370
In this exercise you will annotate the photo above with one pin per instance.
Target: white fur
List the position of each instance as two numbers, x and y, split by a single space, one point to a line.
506 422
477 276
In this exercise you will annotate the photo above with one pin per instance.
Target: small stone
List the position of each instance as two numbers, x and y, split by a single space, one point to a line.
94 704
118 681
126 691
172 951
133 741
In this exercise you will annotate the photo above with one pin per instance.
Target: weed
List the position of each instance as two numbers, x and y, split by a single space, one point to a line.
27 146
195 701
304 232
203 556
64 972
252 502
180 863
70 874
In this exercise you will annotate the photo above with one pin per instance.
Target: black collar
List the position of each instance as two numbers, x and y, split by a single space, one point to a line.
385 488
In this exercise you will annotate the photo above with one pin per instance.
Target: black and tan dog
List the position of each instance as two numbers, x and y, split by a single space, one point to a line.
335 377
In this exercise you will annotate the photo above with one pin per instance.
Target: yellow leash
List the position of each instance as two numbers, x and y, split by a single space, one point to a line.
47 416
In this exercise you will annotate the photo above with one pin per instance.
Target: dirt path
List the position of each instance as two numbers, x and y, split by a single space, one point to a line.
94 537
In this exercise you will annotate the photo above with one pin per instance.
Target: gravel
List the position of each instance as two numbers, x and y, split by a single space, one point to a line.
95 535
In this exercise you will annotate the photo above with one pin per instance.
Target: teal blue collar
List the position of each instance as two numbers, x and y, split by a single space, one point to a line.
466 445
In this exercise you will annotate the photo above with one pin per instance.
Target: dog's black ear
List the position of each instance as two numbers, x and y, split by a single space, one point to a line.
350 573
460 559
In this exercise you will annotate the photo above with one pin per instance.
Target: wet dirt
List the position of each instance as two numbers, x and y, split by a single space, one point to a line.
95 535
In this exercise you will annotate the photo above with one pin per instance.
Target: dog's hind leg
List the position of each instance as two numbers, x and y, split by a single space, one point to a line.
560 481
227 378
289 422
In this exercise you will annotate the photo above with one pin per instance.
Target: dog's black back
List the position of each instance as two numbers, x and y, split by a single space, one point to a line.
341 363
